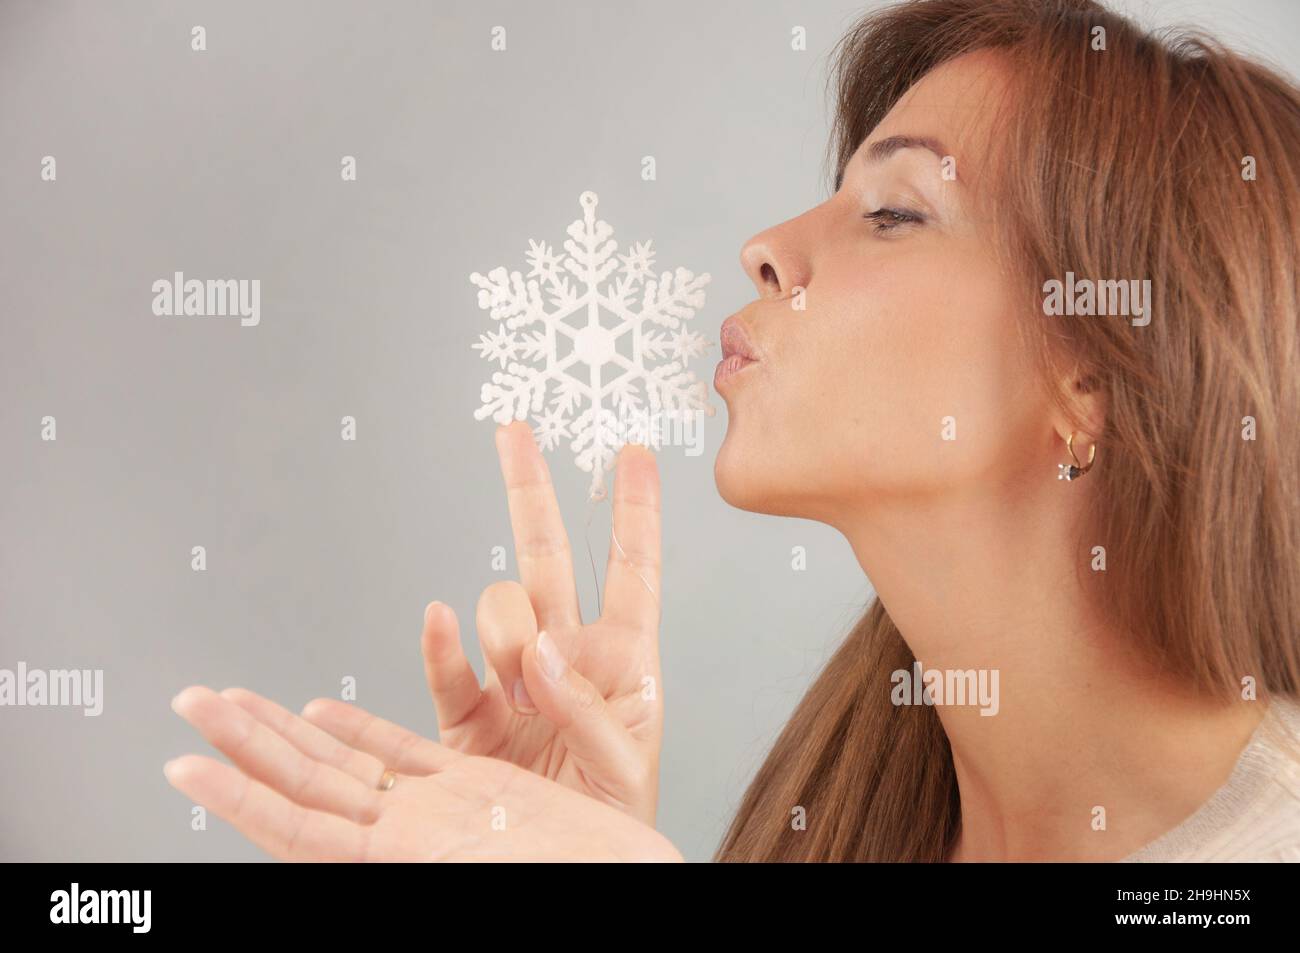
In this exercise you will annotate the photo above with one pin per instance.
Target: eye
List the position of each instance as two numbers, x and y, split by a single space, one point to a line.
888 219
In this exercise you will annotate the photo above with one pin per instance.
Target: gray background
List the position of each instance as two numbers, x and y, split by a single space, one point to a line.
176 432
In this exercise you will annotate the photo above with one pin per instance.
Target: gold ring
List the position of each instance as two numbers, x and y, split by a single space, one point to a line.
387 780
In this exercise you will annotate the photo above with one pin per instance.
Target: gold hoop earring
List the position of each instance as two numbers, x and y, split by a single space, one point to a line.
1072 471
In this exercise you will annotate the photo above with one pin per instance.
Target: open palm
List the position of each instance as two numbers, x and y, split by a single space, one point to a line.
313 787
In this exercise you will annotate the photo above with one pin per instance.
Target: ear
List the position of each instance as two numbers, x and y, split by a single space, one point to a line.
1081 407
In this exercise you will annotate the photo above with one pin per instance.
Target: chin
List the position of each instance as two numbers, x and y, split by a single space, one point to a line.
737 474
745 480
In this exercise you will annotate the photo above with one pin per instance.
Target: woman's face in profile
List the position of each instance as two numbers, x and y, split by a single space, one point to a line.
907 321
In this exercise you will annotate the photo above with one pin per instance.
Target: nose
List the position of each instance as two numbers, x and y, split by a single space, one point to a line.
775 261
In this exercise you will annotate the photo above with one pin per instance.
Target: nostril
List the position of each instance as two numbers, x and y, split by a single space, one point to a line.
768 274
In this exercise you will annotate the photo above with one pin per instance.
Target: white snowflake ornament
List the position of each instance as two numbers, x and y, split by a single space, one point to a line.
597 383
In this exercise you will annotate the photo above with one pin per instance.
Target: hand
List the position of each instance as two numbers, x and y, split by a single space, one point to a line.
306 788
580 704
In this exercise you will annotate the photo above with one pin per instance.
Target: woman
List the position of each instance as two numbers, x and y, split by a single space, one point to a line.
1037 359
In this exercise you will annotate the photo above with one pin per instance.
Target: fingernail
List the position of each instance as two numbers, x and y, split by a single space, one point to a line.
428 610
554 664
523 703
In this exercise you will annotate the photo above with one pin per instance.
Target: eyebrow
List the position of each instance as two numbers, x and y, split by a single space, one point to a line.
882 149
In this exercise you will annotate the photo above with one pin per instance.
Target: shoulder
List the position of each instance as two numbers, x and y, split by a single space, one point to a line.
1268 829
1255 816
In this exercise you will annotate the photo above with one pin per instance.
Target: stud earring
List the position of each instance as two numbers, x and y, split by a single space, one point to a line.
1072 471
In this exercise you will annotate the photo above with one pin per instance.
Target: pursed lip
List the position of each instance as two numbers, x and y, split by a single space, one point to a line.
735 340
738 353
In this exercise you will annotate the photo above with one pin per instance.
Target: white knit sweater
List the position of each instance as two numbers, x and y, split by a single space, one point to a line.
1255 815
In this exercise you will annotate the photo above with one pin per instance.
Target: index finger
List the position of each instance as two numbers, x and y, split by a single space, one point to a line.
541 544
632 577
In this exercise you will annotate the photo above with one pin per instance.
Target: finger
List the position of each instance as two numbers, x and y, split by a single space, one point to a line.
265 756
285 830
505 625
403 751
541 544
632 577
598 741
307 738
452 682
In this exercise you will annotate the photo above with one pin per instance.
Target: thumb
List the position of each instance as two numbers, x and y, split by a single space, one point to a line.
598 741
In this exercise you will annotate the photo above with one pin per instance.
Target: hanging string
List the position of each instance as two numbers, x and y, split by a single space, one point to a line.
593 502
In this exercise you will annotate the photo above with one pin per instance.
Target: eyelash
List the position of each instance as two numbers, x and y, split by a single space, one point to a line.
888 219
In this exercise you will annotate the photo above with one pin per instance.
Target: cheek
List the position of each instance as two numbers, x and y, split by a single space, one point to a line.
908 384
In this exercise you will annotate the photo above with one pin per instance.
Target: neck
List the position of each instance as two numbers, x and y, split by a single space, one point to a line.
1087 756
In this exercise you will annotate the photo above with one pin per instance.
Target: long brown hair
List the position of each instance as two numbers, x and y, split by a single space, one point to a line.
1131 161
